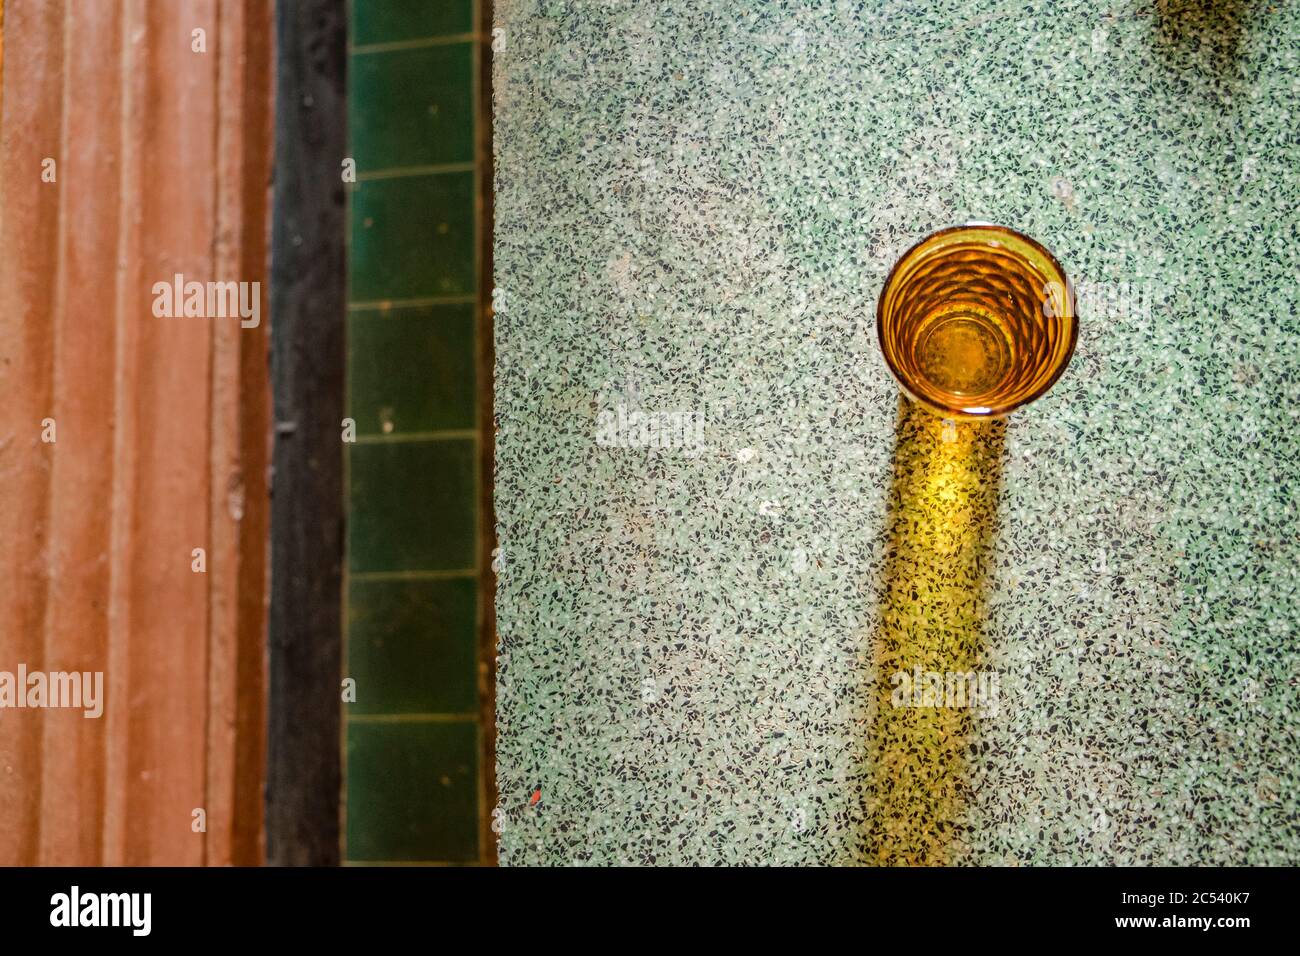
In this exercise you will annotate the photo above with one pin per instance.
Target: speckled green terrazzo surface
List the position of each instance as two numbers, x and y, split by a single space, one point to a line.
696 206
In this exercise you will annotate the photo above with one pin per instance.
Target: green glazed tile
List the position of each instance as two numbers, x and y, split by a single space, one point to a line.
413 237
412 791
412 646
412 107
412 506
385 21
412 370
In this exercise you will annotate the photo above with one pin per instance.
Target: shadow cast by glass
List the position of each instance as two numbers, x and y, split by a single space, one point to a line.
931 672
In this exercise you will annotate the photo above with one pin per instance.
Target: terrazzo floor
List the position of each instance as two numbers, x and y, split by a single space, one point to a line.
720 533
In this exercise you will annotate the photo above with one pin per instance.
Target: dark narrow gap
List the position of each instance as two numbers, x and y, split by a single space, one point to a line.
308 311
487 445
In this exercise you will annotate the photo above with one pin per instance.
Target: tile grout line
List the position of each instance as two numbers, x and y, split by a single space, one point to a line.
399 438
410 172
433 717
417 43
411 863
387 305
454 574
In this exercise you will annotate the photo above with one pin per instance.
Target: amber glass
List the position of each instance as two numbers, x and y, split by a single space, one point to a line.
976 320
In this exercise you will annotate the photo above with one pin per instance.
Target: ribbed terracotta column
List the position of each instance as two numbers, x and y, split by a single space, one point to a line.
161 154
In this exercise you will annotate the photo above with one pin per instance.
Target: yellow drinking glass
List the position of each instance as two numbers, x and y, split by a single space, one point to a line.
976 321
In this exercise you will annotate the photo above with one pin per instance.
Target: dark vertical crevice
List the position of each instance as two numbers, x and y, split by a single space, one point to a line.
308 309
487 446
